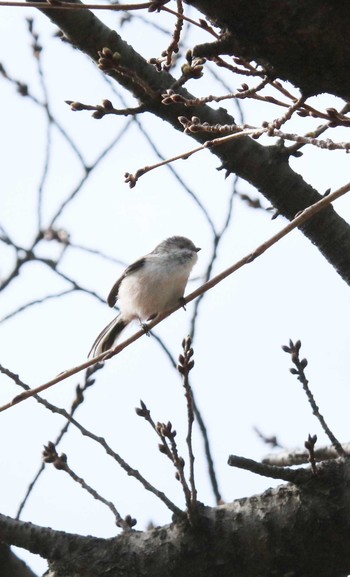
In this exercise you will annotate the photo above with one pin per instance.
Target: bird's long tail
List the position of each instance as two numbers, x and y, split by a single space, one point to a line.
108 336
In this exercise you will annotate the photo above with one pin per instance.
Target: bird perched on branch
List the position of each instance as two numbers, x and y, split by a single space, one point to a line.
151 285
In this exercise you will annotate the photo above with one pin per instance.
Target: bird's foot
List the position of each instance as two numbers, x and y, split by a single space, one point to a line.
182 301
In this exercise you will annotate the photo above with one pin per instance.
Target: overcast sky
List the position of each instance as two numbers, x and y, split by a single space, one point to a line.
240 379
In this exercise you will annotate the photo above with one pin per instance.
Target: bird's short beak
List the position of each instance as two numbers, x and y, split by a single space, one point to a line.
198 249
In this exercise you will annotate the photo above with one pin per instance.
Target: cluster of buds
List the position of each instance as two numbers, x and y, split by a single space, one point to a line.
127 523
108 60
50 455
310 447
193 68
99 111
194 124
59 234
186 363
166 430
142 411
293 349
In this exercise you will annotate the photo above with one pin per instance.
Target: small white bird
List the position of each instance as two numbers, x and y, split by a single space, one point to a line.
149 286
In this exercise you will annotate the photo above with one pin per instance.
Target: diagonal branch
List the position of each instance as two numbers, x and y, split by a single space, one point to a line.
301 219
266 168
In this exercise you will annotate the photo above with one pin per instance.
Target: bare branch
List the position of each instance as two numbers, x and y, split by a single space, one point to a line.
293 349
79 399
300 457
184 367
291 475
298 221
100 441
60 463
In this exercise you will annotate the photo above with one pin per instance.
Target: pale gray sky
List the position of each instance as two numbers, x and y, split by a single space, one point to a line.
241 376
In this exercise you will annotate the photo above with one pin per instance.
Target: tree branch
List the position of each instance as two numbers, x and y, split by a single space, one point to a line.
311 56
309 213
297 530
266 168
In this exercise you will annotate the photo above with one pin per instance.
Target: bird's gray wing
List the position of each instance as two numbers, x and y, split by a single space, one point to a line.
113 295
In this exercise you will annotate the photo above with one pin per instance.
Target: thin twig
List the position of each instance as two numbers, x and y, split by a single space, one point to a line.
294 349
184 367
37 49
79 399
97 253
168 447
198 415
173 171
23 90
132 179
60 463
218 237
99 440
305 215
60 5
36 302
208 453
327 144
88 170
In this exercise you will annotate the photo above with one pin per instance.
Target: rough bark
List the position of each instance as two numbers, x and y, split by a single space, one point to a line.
303 42
295 530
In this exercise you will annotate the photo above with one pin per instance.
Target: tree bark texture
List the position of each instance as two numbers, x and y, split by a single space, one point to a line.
304 42
295 530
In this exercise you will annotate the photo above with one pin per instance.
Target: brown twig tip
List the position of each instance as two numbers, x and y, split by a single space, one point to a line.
163 449
50 455
128 522
310 446
74 105
272 440
293 349
107 105
142 410
184 367
193 70
79 397
131 179
185 363
100 110
167 55
59 234
108 60
166 430
171 97
195 125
